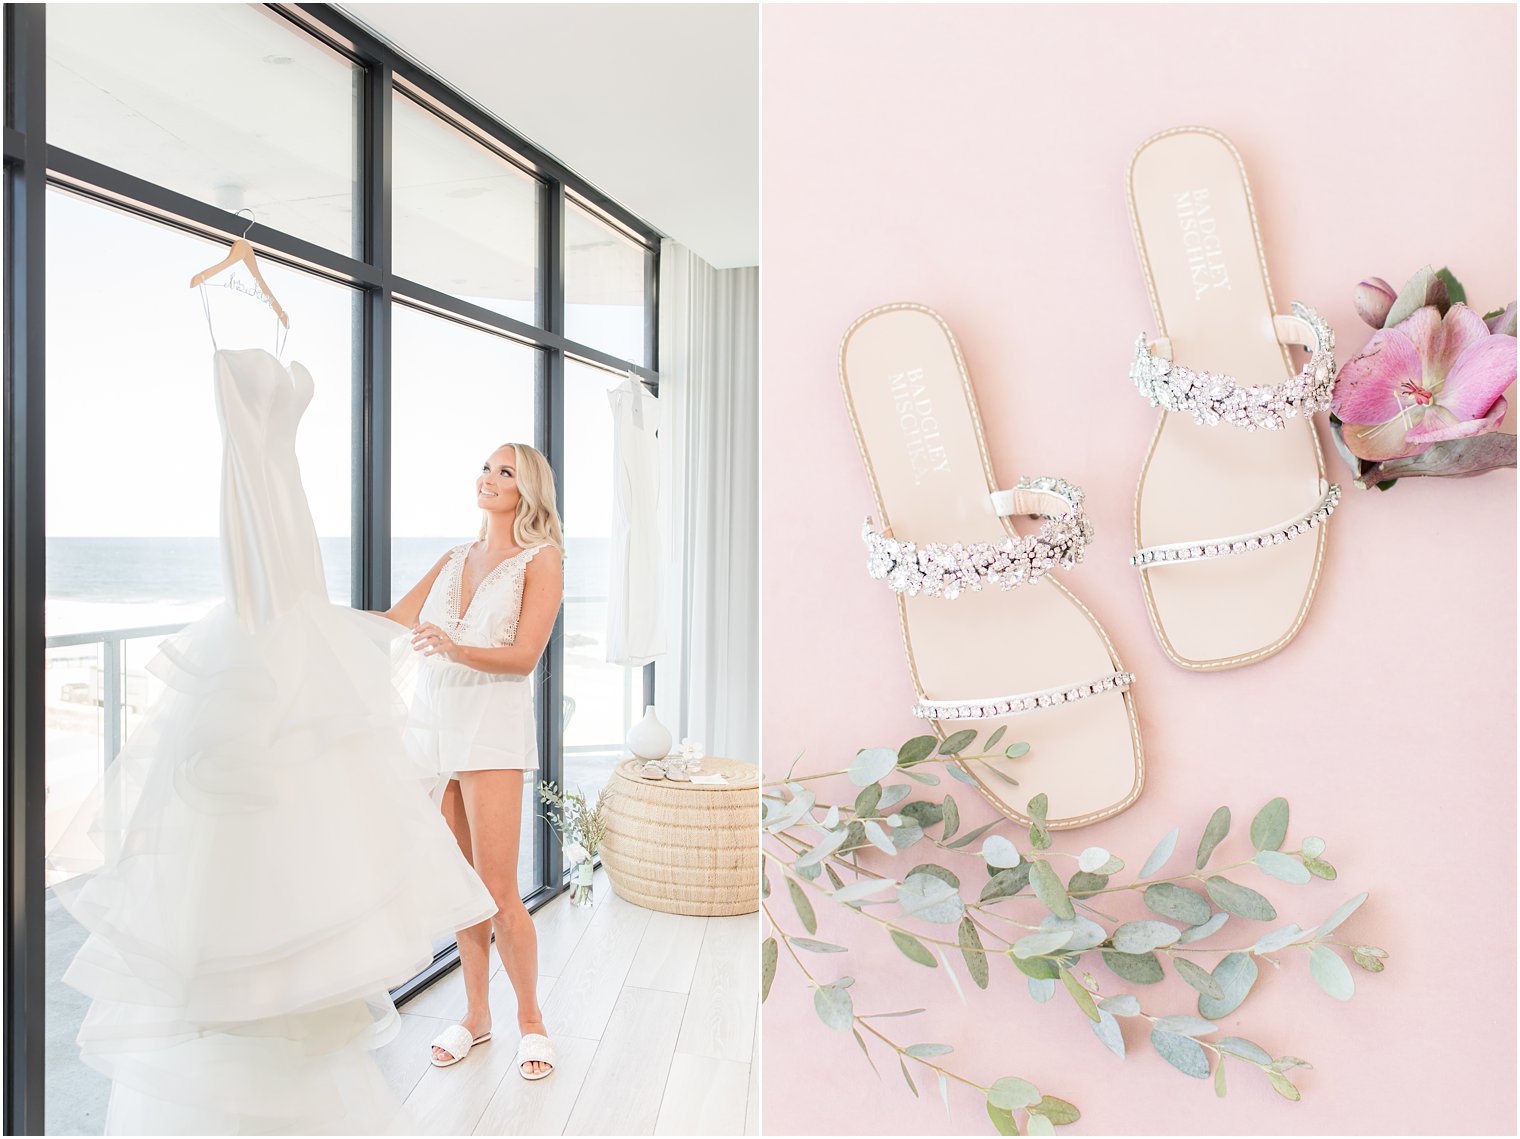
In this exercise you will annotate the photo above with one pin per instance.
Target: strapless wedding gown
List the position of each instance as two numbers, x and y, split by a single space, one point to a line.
262 861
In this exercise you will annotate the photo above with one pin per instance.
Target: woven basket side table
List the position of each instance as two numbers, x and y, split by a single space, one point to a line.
685 848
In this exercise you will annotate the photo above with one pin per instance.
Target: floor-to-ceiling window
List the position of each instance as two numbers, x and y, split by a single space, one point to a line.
479 294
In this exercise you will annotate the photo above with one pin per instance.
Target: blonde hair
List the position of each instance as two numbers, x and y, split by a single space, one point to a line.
537 522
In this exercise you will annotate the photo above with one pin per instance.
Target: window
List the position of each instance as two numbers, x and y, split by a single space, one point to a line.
466 221
458 394
606 277
223 102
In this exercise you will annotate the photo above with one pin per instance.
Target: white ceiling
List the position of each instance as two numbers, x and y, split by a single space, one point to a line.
655 104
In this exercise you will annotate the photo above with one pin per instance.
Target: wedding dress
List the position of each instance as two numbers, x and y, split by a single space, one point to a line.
261 862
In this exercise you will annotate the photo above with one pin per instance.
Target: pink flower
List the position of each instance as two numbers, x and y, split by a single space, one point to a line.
1426 379
1373 299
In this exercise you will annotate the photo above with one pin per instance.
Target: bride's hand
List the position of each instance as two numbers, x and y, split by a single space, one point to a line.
430 640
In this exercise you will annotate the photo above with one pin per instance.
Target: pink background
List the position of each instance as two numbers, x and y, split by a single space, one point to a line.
972 158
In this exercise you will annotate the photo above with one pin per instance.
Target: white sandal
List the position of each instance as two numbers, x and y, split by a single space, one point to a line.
982 654
1233 497
457 1042
534 1046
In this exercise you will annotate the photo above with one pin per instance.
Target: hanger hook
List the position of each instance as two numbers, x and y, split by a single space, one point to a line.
251 220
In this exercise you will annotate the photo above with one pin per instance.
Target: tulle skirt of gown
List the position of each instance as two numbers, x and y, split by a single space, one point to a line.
260 865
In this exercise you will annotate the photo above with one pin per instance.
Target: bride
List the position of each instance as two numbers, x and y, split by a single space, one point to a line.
481 618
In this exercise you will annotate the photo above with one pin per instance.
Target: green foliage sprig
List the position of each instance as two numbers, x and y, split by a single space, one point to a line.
573 818
1042 914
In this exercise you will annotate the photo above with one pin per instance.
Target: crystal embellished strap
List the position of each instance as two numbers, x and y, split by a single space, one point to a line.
1001 706
1211 397
1241 543
940 570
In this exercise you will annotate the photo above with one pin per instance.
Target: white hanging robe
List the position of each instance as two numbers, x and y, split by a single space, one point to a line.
635 610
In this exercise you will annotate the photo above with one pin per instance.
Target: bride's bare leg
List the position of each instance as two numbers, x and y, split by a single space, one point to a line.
493 800
475 940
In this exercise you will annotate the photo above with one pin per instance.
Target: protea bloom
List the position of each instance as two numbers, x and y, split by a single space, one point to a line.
1427 379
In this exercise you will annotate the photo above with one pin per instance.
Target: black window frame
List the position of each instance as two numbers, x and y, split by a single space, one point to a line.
31 167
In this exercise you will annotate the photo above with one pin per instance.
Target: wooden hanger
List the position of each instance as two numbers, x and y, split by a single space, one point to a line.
242 252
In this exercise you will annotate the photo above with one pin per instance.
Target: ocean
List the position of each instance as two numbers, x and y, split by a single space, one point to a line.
112 583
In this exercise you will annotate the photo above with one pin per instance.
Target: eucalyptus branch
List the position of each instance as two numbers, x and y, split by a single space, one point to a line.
1189 907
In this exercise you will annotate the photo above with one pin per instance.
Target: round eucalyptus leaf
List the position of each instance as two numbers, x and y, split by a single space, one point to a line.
1057 1110
1234 975
1002 1119
1016 751
1038 944
893 794
1177 902
871 765
1038 1125
1006 883
1283 1086
1320 868
1136 968
1283 867
1085 885
1041 988
827 845
950 814
834 1007
1242 901
868 799
930 899
1085 933
906 835
1236 1046
1270 826
1037 968
1012 1093
957 742
1181 1052
999 852
1038 806
1331 972
878 836
1124 1004
916 750
935 870
1143 936
831 818
928 1051
1313 846
1092 858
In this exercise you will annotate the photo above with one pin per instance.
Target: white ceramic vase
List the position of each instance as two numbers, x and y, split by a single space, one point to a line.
649 739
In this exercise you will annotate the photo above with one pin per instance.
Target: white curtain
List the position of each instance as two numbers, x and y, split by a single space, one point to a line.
636 617
707 684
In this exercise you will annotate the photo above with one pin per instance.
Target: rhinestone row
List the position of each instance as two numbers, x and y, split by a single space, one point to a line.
1212 398
940 570
1243 543
1018 705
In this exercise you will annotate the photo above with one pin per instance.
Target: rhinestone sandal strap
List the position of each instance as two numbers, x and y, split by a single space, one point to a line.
1296 526
1212 398
946 570
1000 707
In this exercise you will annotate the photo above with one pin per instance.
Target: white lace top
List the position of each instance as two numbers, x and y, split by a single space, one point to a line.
495 606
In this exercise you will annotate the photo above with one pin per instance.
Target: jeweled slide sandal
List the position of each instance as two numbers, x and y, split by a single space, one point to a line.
1231 508
992 638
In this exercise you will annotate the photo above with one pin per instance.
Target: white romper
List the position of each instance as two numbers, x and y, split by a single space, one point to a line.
463 719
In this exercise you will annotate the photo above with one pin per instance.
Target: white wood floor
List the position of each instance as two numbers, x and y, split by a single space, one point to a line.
653 1017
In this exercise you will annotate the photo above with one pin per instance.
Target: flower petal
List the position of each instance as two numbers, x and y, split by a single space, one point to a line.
1480 375
1440 424
1503 321
1377 442
1366 390
1461 329
1373 298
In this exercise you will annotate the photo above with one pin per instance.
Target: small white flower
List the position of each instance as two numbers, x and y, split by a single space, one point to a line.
691 749
575 853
